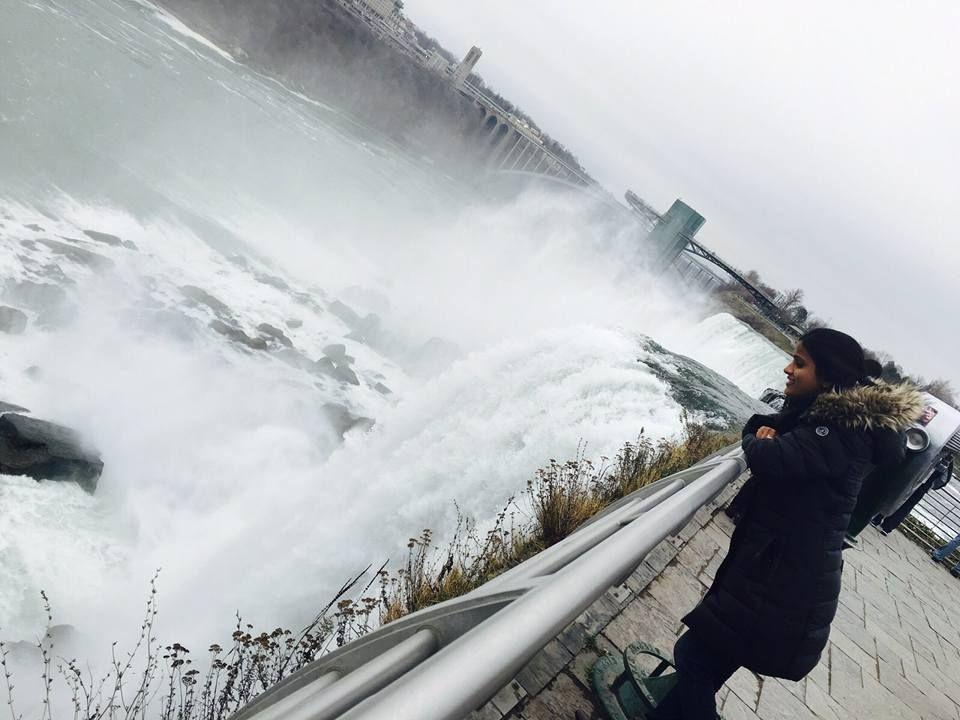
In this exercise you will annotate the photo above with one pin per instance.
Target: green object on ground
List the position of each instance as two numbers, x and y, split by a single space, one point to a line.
628 692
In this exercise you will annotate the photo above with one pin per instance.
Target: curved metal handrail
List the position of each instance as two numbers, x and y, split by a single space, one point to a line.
402 670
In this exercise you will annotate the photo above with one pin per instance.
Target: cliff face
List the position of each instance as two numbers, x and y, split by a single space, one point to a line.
318 47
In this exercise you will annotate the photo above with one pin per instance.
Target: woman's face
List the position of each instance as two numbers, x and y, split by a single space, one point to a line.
801 375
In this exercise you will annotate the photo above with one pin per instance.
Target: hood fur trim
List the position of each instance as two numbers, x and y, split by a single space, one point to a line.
870 407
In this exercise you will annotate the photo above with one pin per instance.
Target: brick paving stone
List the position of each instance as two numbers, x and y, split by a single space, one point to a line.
661 555
508 697
697 553
583 663
719 537
867 663
879 703
677 590
640 578
745 685
734 708
821 704
644 619
543 667
846 677
564 698
723 523
936 705
778 703
486 712
930 674
894 649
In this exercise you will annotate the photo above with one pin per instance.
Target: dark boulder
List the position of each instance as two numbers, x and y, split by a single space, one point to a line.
109 239
382 389
343 421
47 300
12 321
336 352
78 255
274 333
294 323
272 281
200 296
238 335
345 374
34 295
295 358
45 451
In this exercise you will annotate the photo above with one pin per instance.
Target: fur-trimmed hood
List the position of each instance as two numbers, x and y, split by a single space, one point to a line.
880 406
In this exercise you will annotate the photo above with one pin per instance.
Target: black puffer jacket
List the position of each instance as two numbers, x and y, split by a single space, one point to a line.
776 592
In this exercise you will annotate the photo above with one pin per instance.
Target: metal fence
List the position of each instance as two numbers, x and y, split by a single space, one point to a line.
445 661
938 516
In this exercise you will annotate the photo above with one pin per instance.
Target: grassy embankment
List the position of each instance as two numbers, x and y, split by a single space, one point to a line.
729 301
160 680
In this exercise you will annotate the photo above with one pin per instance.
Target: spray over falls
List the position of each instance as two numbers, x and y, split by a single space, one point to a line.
303 346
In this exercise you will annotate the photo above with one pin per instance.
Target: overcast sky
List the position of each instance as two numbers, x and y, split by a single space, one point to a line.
818 139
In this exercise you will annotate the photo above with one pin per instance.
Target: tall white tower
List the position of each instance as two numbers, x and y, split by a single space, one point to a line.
464 69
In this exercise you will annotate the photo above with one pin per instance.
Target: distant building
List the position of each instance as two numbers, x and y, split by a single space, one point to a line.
384 8
437 62
466 67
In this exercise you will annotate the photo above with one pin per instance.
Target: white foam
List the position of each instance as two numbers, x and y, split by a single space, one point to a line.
734 350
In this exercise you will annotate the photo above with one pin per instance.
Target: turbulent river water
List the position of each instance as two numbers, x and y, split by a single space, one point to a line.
177 201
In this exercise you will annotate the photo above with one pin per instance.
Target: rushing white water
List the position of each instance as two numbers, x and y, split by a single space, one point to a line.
505 334
733 349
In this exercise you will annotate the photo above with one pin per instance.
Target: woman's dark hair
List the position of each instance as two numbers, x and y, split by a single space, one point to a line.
839 358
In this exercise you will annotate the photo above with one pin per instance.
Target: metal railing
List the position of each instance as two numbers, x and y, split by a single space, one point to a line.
445 661
939 512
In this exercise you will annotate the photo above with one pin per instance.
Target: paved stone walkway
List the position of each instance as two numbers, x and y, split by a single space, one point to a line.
894 647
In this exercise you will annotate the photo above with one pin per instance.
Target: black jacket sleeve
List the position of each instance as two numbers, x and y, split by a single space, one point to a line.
797 454
758 421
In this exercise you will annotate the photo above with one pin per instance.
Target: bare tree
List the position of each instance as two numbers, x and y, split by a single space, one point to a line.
789 300
942 389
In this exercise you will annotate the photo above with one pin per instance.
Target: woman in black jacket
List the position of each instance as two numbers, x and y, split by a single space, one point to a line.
776 592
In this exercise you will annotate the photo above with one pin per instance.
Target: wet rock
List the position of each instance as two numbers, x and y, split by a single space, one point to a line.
79 255
272 281
47 300
382 389
34 295
6 407
294 323
46 451
346 313
12 321
325 366
295 358
336 352
345 374
52 271
34 227
343 421
202 297
109 239
274 333
238 335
